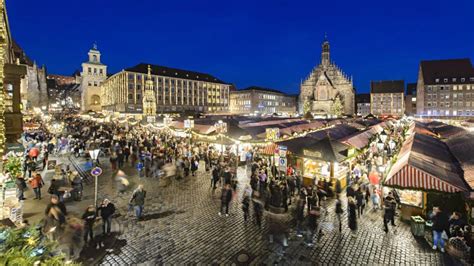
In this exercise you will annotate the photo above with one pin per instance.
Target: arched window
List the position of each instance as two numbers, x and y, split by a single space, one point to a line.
94 58
95 99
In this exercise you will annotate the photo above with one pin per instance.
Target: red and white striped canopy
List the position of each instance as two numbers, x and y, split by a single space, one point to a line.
411 177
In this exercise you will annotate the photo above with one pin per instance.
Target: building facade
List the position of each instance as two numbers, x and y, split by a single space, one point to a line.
263 101
326 88
175 90
387 98
93 74
410 99
363 104
445 88
11 75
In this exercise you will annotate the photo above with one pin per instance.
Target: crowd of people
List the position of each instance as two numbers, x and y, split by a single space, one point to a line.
279 196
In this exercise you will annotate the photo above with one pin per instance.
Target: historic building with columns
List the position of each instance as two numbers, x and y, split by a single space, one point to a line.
93 74
175 90
327 89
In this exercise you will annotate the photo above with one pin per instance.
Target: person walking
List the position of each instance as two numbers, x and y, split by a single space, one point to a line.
36 184
138 201
107 210
257 208
440 224
313 227
226 197
215 177
20 187
194 166
89 217
339 212
352 215
389 206
246 206
360 202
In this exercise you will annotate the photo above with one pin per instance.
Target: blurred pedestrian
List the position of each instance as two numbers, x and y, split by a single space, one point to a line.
138 201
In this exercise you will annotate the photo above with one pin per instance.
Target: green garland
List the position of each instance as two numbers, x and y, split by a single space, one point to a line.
13 166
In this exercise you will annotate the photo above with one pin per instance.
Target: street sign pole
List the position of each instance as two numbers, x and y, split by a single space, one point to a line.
96 172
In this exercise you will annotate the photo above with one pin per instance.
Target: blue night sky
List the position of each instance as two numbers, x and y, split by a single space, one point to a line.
272 44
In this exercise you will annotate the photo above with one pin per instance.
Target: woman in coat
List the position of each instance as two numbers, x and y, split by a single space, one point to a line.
352 214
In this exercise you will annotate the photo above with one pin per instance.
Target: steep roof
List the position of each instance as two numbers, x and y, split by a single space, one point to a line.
387 86
450 68
174 72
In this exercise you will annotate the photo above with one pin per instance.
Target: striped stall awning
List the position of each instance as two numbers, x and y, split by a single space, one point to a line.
412 177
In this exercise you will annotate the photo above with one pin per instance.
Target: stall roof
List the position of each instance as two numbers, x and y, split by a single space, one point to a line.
462 148
325 149
359 140
336 132
426 163
448 131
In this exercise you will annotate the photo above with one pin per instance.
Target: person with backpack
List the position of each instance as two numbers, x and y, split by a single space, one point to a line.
138 201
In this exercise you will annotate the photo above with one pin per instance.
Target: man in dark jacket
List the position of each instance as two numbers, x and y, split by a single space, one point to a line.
440 224
226 197
107 209
89 220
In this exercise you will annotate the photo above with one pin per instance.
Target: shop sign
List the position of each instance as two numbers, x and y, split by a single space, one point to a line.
282 163
282 150
272 133
315 154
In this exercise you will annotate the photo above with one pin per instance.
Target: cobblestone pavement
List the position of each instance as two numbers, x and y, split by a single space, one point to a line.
181 226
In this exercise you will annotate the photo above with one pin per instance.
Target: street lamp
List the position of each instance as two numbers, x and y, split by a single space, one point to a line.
95 172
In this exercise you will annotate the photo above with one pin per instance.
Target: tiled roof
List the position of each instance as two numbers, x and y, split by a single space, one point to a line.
447 69
387 86
174 72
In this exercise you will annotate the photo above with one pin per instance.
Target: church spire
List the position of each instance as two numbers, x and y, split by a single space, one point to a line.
325 58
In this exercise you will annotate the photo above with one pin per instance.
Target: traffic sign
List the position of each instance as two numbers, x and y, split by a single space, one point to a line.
96 171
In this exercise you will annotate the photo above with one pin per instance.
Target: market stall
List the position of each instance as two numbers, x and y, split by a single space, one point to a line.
425 165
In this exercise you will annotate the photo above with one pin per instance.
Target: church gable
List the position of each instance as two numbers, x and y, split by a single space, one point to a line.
324 84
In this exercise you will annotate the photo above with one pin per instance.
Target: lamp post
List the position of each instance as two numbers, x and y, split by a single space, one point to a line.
96 171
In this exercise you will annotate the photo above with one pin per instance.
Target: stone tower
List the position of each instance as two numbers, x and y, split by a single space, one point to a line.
149 99
92 75
325 86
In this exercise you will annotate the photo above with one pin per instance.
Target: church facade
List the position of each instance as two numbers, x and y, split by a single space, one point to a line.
327 90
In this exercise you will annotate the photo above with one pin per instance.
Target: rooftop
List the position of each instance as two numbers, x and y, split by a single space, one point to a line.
436 71
256 88
174 72
387 86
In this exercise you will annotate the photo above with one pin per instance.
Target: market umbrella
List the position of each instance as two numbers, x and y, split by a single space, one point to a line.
374 178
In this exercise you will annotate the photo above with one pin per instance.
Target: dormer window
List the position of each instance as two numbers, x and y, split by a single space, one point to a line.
471 79
454 79
445 80
437 80
463 79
